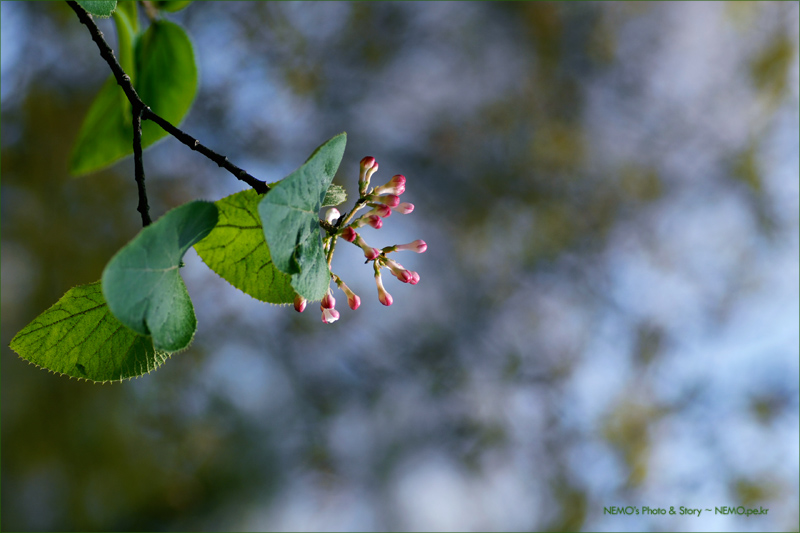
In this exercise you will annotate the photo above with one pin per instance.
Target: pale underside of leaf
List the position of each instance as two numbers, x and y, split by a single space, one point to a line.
142 282
335 195
290 215
79 337
237 252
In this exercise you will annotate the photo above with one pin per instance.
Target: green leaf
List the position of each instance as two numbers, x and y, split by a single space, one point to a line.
335 195
106 134
172 5
127 24
142 285
237 251
79 337
290 216
98 8
165 77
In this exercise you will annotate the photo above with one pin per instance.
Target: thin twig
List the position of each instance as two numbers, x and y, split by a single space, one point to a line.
143 208
124 81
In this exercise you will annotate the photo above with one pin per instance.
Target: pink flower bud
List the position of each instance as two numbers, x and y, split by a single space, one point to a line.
328 301
349 234
366 164
352 299
369 252
418 246
381 210
414 278
398 271
368 167
397 185
388 199
384 297
332 215
329 316
373 220
405 208
300 303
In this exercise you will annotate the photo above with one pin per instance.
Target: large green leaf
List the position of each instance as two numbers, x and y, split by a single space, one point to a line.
164 76
142 284
98 8
237 251
79 337
290 216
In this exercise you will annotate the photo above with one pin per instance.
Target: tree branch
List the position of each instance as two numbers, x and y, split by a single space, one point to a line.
124 81
143 208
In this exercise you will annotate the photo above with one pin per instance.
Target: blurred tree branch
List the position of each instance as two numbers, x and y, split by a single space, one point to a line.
142 112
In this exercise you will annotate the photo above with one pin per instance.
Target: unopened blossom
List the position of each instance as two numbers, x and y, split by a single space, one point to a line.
329 316
396 186
368 167
391 200
332 215
404 208
384 297
418 246
414 278
300 303
349 234
369 252
328 301
381 210
373 220
398 271
352 298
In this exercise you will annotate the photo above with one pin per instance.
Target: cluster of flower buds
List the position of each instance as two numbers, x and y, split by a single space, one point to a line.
381 201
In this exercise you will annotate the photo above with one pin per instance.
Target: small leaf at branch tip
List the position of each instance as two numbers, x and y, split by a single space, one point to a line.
335 195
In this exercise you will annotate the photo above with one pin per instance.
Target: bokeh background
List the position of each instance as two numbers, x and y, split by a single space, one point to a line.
608 309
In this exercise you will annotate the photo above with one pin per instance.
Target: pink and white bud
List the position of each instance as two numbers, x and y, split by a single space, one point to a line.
329 316
352 298
397 185
368 167
328 301
381 210
366 164
373 220
369 252
384 297
353 301
300 303
398 271
332 215
349 234
418 246
404 208
414 278
391 200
